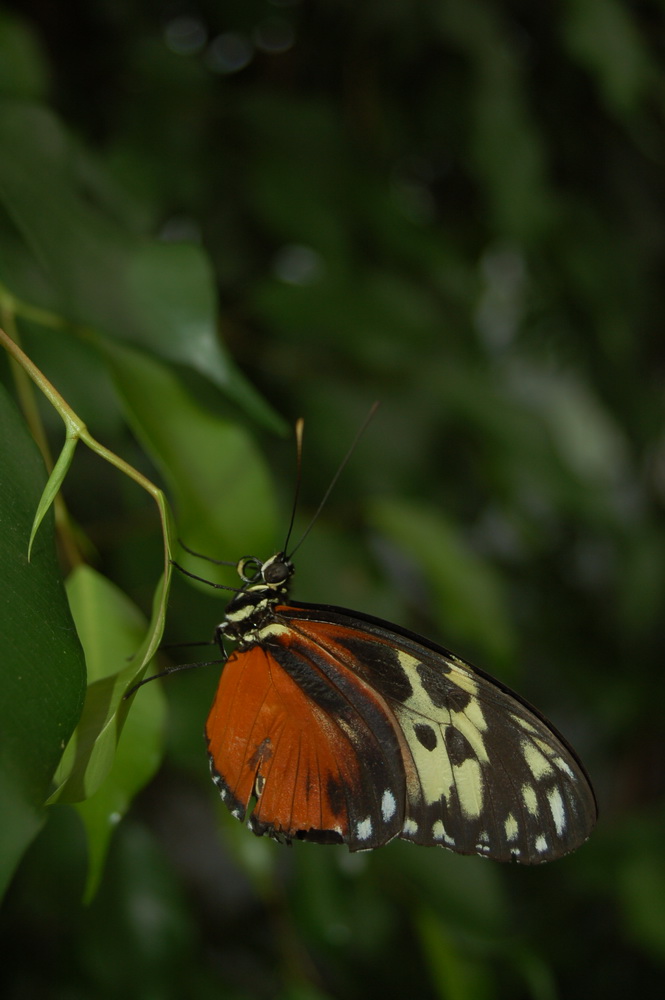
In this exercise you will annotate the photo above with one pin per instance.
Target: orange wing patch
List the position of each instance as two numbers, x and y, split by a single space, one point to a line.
268 740
294 728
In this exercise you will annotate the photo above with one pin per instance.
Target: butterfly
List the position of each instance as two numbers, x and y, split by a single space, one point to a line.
336 727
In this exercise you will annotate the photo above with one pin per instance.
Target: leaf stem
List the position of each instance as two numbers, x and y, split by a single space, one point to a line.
66 535
76 430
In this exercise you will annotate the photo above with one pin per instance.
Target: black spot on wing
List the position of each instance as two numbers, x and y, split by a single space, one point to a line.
442 692
388 675
458 747
425 735
320 836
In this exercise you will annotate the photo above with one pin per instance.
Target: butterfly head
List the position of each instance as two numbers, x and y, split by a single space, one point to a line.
265 584
274 573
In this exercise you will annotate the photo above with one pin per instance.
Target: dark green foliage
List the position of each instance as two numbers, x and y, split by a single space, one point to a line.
457 208
40 702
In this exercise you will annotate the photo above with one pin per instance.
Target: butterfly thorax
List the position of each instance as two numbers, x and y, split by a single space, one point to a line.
265 585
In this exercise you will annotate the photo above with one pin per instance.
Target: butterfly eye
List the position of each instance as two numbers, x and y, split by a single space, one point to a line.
249 568
276 572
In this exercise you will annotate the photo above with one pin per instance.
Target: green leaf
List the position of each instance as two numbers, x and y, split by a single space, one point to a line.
467 594
113 633
108 643
172 291
219 483
68 255
52 488
42 672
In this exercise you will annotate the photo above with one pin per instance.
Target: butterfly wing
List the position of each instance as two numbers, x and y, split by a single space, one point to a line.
347 729
485 773
309 741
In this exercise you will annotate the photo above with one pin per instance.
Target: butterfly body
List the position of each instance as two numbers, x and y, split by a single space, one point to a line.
337 727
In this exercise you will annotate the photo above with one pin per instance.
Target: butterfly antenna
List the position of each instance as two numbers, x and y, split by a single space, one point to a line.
300 425
359 433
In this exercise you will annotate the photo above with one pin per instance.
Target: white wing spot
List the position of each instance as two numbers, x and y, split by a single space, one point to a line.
434 769
524 724
474 714
468 781
541 844
463 677
410 826
530 799
364 829
388 805
511 827
564 766
557 809
537 763
407 661
439 833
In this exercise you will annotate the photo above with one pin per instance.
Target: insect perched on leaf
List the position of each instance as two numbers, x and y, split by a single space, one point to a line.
332 726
